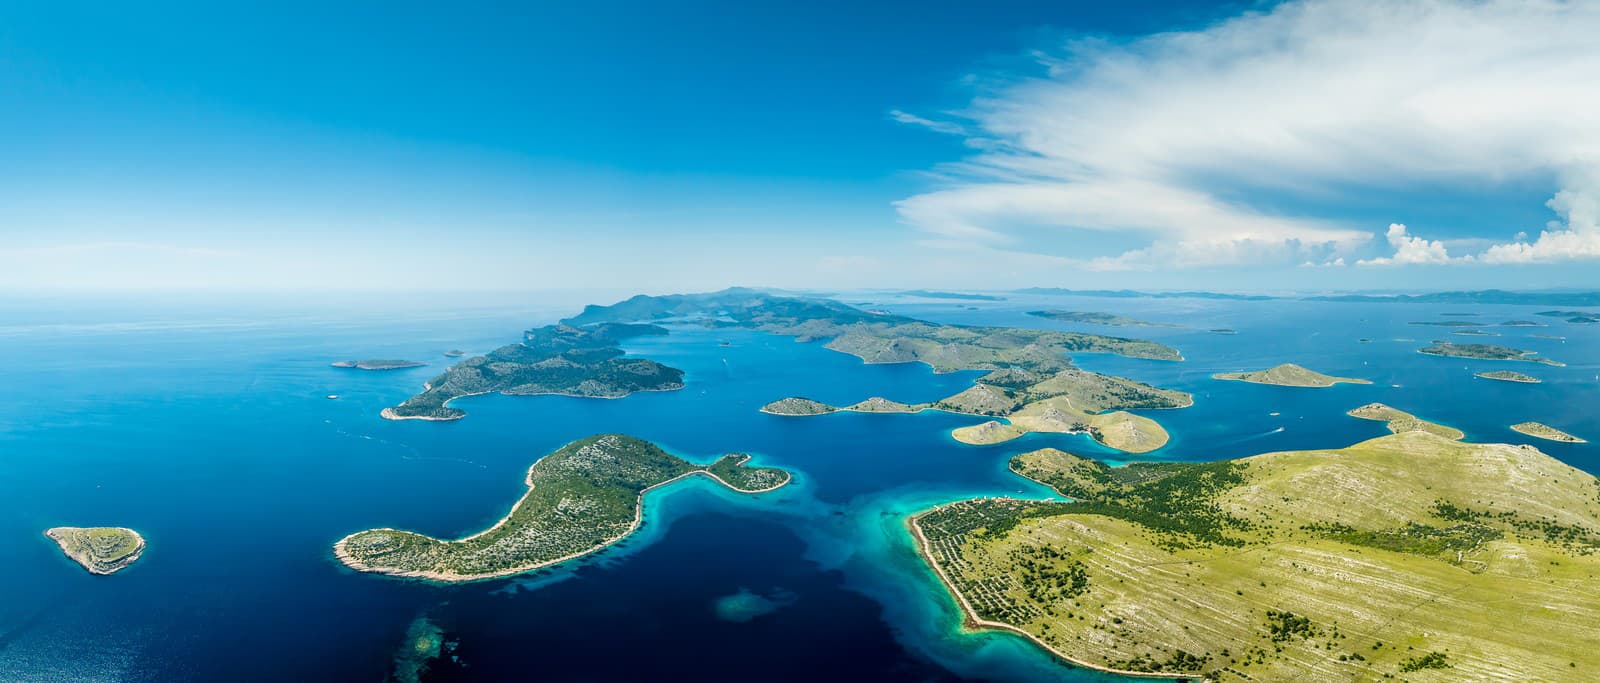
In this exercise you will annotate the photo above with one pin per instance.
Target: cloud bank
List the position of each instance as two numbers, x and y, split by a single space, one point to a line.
1169 139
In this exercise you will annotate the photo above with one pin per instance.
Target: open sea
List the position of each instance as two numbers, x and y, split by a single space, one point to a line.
204 423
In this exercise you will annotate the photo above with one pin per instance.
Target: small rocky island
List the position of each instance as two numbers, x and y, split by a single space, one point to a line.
377 364
454 353
581 498
1483 352
1288 375
101 550
1509 376
1543 431
1400 421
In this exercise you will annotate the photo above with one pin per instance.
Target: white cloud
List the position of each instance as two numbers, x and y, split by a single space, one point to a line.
936 126
1409 249
1156 139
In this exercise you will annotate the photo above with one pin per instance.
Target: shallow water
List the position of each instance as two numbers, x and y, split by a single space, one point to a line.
205 426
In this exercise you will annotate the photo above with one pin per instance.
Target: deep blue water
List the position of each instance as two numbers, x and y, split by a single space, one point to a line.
204 424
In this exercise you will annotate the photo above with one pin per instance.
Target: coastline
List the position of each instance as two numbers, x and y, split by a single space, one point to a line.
993 418
350 561
122 564
389 414
971 620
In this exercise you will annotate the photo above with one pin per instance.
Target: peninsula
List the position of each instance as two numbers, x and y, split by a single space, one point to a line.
555 359
1288 375
1400 421
1394 558
1094 318
581 498
1509 376
1544 431
101 550
1483 352
377 364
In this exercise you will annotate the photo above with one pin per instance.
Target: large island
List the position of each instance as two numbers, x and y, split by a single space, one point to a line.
1408 557
555 359
1483 352
581 498
1030 381
101 550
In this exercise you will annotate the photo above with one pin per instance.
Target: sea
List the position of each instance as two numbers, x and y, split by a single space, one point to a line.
206 423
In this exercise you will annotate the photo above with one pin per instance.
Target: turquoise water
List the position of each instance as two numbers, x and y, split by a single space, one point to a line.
204 424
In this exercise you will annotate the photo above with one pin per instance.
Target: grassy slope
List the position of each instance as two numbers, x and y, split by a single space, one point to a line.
1521 606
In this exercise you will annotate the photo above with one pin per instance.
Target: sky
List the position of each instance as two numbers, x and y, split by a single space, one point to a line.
694 145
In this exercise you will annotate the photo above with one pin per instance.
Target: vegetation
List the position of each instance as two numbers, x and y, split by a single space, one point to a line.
582 497
555 359
1288 375
958 296
1482 352
377 364
101 550
1031 381
1579 317
1400 421
1094 318
1544 431
1509 376
1367 562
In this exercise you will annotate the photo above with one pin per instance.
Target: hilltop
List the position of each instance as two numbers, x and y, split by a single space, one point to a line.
1397 556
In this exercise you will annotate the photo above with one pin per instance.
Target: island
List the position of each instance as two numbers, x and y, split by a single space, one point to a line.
1509 376
1522 323
1475 333
101 550
377 364
580 356
583 497
1483 352
555 359
1094 318
1070 401
1393 558
1578 317
1485 296
455 353
1400 421
1030 378
957 296
1544 431
1289 375
1450 323
1223 330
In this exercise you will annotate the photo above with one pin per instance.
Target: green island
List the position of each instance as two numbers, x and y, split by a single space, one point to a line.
1543 431
1409 556
956 296
583 497
1031 381
1095 318
555 359
1450 323
1223 330
1071 401
1579 317
1289 375
101 550
1522 323
1509 376
1483 352
1475 333
455 353
377 364
1400 421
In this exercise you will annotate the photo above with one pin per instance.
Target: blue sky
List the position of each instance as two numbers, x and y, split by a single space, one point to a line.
691 145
